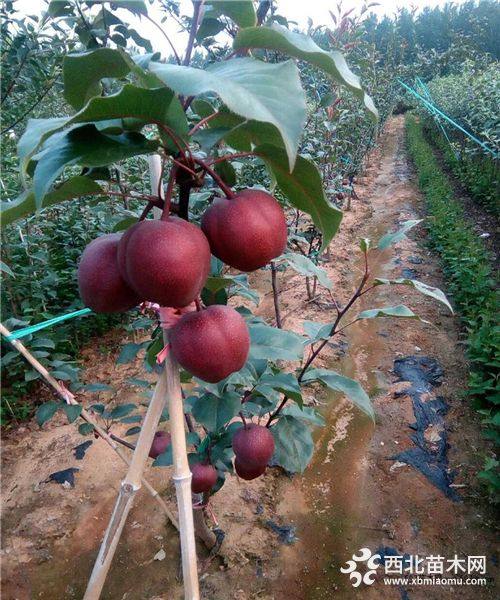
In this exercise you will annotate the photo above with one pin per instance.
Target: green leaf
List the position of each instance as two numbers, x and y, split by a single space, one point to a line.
286 383
85 428
131 419
317 331
423 288
209 27
213 412
269 93
132 431
214 284
270 343
46 411
166 459
60 8
242 12
340 383
294 444
85 146
391 238
128 353
159 106
303 187
72 411
97 387
298 45
227 173
305 266
37 130
4 268
122 410
364 244
135 6
400 311
307 414
25 203
82 73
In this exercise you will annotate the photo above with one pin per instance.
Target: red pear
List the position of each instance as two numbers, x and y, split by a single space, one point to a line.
253 445
246 231
211 343
246 472
161 442
165 261
101 286
204 477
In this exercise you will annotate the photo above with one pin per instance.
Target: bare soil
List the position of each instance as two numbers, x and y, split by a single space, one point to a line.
352 495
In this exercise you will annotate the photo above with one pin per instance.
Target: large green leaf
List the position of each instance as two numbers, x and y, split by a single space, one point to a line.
270 343
339 383
158 106
25 203
213 411
294 445
255 90
305 266
303 188
82 73
87 147
36 131
422 287
298 45
242 12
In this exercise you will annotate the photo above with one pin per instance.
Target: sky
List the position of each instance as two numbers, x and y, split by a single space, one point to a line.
294 10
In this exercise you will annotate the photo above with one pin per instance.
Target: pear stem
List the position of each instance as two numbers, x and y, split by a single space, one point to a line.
168 194
218 180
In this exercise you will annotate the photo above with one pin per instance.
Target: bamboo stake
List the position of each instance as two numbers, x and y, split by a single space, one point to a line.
129 487
182 478
68 397
182 473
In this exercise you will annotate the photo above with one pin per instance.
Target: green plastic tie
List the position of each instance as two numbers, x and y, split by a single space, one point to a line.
33 328
435 110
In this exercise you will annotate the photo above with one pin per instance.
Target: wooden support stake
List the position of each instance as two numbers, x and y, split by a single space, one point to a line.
68 397
182 473
129 487
182 478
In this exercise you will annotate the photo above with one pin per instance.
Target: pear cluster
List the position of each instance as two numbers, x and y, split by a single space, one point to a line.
167 262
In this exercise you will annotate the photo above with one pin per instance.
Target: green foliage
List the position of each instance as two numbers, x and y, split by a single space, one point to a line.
471 99
466 265
298 45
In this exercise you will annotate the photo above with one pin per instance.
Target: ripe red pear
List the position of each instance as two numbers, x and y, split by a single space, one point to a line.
101 286
211 343
204 477
247 472
161 442
246 231
253 445
165 261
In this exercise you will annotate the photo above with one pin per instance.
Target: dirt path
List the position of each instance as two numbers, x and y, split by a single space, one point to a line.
353 495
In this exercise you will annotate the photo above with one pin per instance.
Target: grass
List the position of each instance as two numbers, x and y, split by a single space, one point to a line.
467 267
